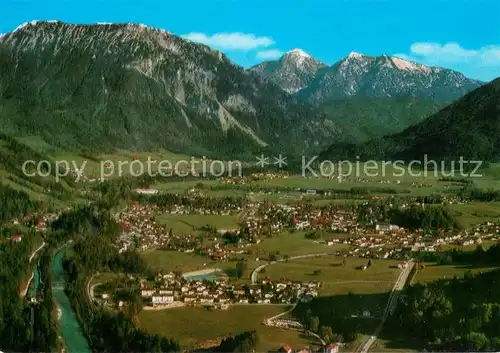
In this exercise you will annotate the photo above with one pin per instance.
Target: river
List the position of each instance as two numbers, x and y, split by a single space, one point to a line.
70 329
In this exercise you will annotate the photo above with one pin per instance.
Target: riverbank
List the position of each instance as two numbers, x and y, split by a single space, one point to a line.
69 327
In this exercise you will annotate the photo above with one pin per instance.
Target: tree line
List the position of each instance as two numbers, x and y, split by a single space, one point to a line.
461 314
95 251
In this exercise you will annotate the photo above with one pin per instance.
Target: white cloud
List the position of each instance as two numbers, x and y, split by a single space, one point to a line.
236 41
491 55
455 53
449 52
269 54
482 63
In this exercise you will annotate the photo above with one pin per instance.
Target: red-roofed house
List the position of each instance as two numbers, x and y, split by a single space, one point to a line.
332 348
17 238
125 226
286 348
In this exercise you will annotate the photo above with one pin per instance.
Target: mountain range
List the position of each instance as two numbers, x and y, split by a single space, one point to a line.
358 75
129 86
369 97
293 72
469 128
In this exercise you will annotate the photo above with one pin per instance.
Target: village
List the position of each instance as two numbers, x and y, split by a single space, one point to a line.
337 225
173 290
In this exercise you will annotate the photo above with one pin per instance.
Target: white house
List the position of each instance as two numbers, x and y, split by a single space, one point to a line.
162 299
146 293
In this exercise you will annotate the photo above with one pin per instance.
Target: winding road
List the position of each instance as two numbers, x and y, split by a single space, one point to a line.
276 317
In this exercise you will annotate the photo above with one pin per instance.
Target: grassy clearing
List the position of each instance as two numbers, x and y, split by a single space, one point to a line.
185 262
182 186
292 244
485 245
193 326
475 213
186 223
336 278
175 260
434 272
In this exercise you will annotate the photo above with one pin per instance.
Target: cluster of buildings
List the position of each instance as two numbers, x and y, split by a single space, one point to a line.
388 241
138 226
38 221
253 177
271 219
171 289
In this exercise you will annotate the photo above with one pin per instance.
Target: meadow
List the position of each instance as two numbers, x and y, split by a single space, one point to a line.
292 244
186 223
335 277
210 326
475 213
433 272
185 262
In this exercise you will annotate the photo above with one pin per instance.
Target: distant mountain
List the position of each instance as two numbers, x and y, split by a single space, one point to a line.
468 128
294 71
368 96
130 86
368 118
359 75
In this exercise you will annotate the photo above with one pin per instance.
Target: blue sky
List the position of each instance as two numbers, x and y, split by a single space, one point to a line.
459 34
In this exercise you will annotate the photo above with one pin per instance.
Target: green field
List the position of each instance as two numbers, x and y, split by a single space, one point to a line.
434 272
475 213
185 262
186 223
338 279
292 244
175 260
193 326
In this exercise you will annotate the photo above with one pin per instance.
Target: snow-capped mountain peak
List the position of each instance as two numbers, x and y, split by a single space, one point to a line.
292 72
25 24
403 64
299 52
355 55
385 76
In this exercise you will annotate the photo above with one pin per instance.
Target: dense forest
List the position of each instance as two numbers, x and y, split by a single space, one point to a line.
479 256
14 204
94 251
417 217
45 336
244 342
414 216
15 330
458 315
476 194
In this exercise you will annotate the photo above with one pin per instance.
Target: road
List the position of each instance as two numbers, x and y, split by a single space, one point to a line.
36 251
274 318
90 289
255 273
389 309
33 254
